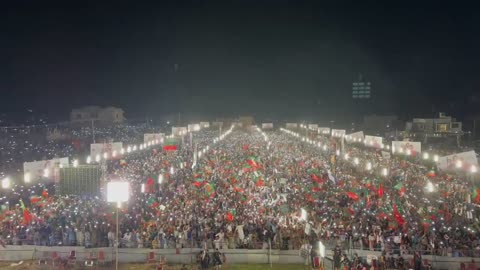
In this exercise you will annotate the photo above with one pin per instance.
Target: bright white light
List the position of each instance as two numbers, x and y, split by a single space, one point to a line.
105 155
355 160
388 147
346 157
172 170
426 155
400 150
337 152
160 178
27 177
134 148
89 159
129 149
122 151
303 215
75 163
430 187
384 172
409 152
473 169
458 164
114 153
369 166
324 148
117 191
6 183
97 158
143 188
435 158
46 172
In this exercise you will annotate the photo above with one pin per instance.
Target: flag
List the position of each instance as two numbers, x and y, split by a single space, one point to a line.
170 145
27 217
431 173
352 195
231 215
210 188
123 162
150 185
257 179
35 199
252 162
380 190
398 217
45 194
476 195
198 182
400 188
315 178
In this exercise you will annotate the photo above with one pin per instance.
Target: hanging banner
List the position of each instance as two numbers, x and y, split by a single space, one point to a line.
323 130
373 141
152 137
100 148
193 127
466 159
179 131
338 133
267 126
355 137
204 124
45 169
313 126
405 146
291 126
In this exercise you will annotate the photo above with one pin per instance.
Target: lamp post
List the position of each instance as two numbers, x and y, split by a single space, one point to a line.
117 192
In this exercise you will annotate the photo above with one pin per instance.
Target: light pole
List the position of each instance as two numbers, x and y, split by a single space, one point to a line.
117 192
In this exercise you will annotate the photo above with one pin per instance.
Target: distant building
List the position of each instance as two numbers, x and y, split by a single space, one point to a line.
361 89
441 127
107 115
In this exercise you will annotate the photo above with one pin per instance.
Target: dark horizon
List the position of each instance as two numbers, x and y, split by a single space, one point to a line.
272 60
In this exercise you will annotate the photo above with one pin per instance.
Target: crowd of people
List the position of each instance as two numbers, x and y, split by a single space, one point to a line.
262 190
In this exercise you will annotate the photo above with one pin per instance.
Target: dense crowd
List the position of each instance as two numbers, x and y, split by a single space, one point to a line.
260 190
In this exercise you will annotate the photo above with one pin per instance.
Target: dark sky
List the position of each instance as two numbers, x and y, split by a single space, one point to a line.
271 58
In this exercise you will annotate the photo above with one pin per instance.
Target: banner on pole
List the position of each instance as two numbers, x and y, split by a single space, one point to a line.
323 130
355 137
151 137
405 146
373 141
462 160
100 148
267 125
338 133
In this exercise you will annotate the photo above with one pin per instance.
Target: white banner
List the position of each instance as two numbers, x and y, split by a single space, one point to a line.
313 126
386 155
373 141
150 137
448 163
267 125
179 131
100 148
291 126
338 133
405 146
204 124
355 137
46 169
193 127
324 130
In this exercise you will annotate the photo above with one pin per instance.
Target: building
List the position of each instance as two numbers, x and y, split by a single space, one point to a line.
106 115
441 127
361 89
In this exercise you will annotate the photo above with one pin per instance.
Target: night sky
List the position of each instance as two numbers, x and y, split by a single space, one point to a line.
272 59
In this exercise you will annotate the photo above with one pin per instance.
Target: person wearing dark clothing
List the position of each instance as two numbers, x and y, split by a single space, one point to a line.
217 261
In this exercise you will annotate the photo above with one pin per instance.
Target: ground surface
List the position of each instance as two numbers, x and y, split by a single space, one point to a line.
32 266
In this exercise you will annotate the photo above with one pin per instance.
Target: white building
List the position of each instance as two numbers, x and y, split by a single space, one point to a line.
443 126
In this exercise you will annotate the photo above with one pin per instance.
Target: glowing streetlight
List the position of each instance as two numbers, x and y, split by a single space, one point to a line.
6 183
435 158
369 166
75 163
117 192
426 155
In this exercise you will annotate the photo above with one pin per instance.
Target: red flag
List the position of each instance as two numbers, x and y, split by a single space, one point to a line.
380 190
260 183
316 178
398 217
230 216
45 194
169 148
352 195
27 217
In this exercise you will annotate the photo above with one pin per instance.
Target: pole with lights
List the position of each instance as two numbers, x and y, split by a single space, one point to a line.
117 192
